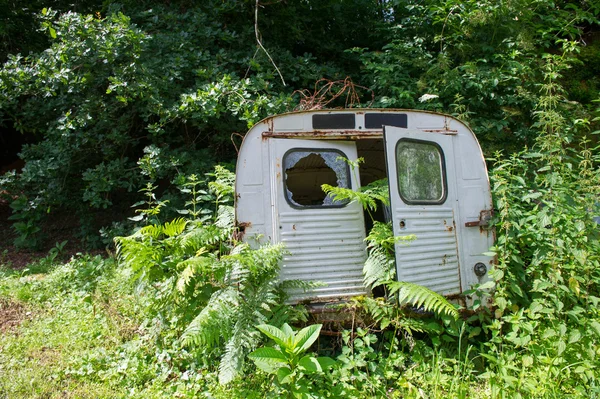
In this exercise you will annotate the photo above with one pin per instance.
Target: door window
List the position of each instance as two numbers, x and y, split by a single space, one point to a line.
421 172
305 170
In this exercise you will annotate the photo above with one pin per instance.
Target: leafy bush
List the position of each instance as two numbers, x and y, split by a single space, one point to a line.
202 286
546 299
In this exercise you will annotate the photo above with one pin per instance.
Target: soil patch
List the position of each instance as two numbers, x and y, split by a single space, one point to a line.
12 314
56 229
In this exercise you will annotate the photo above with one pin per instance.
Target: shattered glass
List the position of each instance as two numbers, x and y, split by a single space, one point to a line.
332 160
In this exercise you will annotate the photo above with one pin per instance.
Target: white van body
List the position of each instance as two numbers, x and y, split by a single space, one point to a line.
439 191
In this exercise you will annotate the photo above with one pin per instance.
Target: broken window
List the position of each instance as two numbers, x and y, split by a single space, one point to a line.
421 172
307 170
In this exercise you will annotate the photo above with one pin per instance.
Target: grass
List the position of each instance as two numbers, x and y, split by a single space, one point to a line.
60 327
78 330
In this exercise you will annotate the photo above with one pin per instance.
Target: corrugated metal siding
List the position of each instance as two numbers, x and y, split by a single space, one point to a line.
432 259
323 249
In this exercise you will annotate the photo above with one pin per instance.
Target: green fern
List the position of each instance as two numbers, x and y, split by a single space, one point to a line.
380 264
419 296
366 196
251 296
379 267
224 184
209 328
225 217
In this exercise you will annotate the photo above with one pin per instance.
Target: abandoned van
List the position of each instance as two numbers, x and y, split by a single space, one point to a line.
438 185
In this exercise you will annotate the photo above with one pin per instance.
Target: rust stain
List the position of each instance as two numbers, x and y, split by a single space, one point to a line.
444 131
327 134
240 230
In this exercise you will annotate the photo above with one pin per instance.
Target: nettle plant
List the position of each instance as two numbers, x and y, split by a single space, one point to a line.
548 273
205 291
289 361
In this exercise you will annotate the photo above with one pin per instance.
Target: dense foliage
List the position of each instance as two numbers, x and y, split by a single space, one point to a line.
137 100
168 83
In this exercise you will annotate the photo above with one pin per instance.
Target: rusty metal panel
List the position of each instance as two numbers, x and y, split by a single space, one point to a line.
327 246
259 184
432 259
325 243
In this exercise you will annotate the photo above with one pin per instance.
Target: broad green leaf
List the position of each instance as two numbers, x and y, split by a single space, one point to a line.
561 346
595 326
574 336
268 359
326 362
306 337
310 364
288 331
284 375
275 334
488 285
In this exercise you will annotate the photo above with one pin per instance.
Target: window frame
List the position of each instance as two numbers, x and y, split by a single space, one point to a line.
312 150
443 171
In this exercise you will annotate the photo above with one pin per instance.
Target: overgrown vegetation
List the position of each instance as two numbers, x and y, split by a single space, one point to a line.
93 93
139 100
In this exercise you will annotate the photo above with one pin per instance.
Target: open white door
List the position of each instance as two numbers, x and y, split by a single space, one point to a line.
324 238
423 196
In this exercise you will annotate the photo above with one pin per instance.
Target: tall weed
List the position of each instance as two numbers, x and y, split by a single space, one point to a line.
547 320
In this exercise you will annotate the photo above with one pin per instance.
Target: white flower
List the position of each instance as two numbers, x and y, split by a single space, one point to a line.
427 97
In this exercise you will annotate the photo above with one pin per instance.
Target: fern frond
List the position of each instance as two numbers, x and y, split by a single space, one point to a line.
224 184
232 360
412 325
366 196
378 268
205 267
225 217
342 194
211 326
174 227
418 295
151 230
378 189
134 253
254 306
203 236
381 235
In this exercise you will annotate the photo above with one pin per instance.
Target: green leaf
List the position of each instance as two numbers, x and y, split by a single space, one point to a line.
268 359
306 337
282 339
488 285
561 346
284 375
310 364
421 296
574 336
595 326
326 362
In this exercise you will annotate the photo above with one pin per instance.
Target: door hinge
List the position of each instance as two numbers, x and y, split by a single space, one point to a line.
484 219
